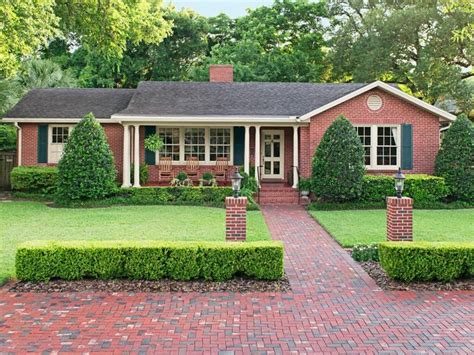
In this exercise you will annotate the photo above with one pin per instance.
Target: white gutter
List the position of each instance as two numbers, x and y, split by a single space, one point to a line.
19 143
52 120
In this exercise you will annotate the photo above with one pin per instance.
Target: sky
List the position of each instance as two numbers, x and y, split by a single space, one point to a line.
233 8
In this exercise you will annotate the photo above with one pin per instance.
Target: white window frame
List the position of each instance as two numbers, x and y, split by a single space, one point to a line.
373 146
51 145
207 146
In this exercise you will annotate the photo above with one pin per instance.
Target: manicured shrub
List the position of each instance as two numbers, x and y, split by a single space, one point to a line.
416 261
338 163
86 170
34 179
422 188
365 252
148 260
455 160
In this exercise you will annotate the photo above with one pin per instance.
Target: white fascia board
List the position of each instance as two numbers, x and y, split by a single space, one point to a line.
52 120
385 87
228 120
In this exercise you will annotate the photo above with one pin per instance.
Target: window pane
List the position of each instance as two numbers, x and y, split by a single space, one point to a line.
365 138
386 146
170 137
219 143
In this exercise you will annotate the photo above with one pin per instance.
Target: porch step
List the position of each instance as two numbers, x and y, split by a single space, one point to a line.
278 194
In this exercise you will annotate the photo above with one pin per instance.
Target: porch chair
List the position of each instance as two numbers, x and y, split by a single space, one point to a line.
165 169
222 165
192 167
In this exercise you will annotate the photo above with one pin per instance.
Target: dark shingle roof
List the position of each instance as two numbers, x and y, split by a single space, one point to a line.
71 103
245 99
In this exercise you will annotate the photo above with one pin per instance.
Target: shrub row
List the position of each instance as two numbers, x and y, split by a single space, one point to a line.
34 179
422 188
418 261
148 260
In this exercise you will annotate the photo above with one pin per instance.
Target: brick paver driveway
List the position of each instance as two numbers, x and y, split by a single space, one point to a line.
335 307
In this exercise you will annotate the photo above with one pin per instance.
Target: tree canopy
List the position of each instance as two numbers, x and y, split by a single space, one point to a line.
424 46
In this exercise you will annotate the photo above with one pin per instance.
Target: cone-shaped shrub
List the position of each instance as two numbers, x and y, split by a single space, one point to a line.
455 160
86 170
338 163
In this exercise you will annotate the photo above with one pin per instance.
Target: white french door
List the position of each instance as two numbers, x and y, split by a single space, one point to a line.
273 152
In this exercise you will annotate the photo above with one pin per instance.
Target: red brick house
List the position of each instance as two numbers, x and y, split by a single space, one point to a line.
273 126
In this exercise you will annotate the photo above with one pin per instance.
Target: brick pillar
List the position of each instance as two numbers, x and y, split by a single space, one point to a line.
236 218
399 219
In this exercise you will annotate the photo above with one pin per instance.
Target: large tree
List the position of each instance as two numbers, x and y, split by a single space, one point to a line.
24 27
282 42
406 42
104 28
171 59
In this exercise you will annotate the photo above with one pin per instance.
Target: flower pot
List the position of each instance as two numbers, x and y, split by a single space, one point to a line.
304 193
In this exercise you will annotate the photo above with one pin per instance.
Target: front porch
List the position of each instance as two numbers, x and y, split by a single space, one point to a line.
270 153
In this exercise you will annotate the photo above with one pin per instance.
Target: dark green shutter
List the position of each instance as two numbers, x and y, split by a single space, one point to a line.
150 157
239 145
407 147
42 143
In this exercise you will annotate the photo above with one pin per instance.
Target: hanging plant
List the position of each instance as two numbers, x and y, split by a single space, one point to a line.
154 143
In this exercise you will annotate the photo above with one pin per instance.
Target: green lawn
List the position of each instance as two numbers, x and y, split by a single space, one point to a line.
362 227
24 221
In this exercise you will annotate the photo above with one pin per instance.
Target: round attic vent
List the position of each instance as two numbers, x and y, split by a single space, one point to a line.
374 102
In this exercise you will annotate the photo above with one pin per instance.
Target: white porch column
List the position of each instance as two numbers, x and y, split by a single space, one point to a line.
247 150
295 157
126 157
136 157
257 152
19 143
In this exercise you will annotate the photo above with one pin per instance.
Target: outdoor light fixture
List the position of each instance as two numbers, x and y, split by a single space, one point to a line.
236 181
399 182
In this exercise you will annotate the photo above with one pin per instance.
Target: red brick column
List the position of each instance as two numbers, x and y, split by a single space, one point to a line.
399 219
236 218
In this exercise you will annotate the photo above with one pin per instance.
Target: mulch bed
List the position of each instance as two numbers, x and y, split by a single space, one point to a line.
383 281
239 285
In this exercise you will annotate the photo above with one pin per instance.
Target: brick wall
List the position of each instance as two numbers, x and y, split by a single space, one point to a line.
393 111
29 151
113 131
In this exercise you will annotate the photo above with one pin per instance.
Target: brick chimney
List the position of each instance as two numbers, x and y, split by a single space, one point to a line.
221 73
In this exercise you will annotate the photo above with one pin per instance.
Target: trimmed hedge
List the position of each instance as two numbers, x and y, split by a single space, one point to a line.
421 261
34 179
422 188
168 195
148 260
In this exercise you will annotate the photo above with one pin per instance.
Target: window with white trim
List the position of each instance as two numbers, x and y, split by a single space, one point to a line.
171 147
365 138
220 142
195 143
381 146
58 136
387 147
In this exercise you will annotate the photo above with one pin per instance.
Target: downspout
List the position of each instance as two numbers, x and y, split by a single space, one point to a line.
19 143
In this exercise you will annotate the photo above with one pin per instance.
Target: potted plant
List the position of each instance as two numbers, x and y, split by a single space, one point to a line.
154 143
208 179
181 180
305 187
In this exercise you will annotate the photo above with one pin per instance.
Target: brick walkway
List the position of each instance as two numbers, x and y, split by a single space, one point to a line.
335 307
